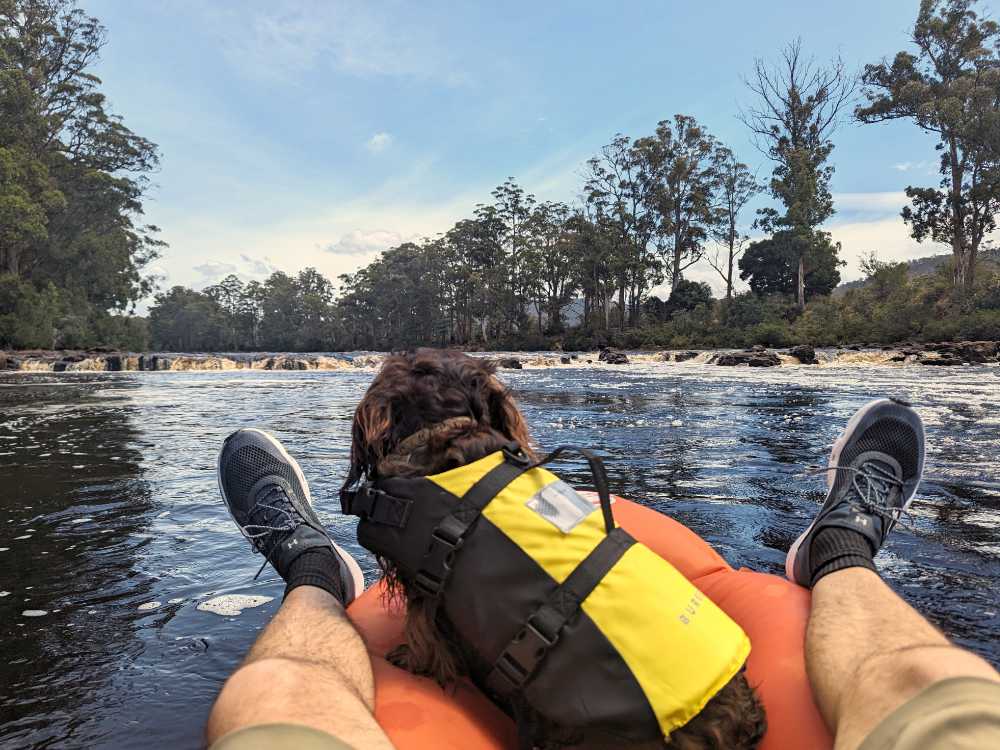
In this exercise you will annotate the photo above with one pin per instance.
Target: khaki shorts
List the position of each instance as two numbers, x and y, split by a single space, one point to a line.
962 713
957 714
279 737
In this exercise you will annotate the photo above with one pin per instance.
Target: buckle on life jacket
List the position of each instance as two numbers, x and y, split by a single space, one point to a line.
435 568
378 506
521 657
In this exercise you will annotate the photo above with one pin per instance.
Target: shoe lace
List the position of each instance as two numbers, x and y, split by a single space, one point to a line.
872 484
267 518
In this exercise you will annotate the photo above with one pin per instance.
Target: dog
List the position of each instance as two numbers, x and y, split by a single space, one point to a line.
428 411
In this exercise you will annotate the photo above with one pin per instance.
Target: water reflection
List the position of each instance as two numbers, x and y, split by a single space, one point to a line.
77 513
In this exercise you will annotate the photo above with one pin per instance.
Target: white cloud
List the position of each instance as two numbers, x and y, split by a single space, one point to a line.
869 203
378 142
925 167
361 242
213 271
246 268
257 268
888 238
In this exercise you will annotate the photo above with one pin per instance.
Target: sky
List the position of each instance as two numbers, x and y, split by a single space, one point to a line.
300 133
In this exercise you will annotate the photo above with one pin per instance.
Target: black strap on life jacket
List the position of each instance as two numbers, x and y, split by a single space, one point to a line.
376 505
449 536
521 657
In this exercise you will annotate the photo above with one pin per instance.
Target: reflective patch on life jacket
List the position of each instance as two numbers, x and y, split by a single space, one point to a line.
560 505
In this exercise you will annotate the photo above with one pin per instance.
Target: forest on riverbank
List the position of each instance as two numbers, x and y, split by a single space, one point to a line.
520 273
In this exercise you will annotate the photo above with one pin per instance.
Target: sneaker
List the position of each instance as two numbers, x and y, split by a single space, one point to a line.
874 471
269 499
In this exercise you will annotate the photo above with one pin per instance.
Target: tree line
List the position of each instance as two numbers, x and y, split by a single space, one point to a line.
519 271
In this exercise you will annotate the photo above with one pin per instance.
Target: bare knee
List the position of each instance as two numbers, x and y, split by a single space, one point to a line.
912 669
271 683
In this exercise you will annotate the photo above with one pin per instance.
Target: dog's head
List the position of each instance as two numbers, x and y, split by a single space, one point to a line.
431 410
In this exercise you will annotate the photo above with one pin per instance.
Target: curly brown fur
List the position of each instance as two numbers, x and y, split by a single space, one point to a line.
429 411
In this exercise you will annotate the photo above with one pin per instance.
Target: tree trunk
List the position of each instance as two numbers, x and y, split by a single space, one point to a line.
965 266
963 277
621 306
729 268
802 283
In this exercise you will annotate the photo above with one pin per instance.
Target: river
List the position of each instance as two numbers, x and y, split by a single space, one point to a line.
114 531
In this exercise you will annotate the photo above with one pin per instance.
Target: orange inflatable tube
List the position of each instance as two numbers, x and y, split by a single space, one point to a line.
416 713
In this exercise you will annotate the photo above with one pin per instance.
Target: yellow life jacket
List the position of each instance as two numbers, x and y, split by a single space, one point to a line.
562 610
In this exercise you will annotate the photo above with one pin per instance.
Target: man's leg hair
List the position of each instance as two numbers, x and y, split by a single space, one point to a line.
868 652
310 667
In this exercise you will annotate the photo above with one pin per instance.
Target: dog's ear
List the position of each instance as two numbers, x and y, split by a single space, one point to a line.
505 417
369 436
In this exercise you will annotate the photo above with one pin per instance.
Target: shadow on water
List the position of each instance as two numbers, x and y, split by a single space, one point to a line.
76 517
113 525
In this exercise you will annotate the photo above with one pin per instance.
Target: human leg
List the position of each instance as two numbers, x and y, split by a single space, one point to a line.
868 652
309 668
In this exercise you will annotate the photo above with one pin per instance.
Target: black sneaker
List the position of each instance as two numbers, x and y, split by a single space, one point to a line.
874 471
269 499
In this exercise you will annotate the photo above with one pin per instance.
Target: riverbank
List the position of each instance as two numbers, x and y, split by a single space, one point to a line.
946 354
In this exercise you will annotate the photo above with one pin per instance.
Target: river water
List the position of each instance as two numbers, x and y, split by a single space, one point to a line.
113 531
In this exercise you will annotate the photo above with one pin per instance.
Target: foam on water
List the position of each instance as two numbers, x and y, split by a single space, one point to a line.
148 605
231 605
34 613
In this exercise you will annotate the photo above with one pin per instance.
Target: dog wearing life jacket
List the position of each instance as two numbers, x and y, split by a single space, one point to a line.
430 411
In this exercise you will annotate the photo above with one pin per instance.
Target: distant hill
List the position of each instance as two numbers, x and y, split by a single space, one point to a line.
925 266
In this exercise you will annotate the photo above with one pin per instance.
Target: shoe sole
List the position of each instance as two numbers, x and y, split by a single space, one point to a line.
835 452
358 578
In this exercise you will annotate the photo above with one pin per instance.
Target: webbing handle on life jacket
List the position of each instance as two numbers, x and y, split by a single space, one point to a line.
597 471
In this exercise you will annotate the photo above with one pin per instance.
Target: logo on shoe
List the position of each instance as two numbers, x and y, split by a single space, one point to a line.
860 520
292 543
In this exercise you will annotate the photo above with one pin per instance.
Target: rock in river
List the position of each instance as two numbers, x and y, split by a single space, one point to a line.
612 357
751 359
804 354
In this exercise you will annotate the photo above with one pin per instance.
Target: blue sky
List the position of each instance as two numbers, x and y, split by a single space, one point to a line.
304 132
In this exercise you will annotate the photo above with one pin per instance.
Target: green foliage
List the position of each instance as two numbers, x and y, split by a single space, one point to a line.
27 314
71 181
689 295
771 266
948 88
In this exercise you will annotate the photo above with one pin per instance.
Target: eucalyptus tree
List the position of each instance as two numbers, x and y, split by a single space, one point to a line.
620 190
511 215
798 105
679 161
949 87
736 186
553 260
